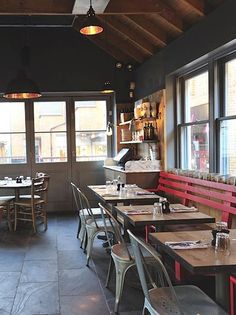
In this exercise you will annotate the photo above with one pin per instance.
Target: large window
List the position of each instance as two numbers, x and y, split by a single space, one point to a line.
50 132
12 133
228 120
194 128
90 129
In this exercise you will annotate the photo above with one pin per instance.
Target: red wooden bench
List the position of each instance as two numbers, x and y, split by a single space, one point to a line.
218 196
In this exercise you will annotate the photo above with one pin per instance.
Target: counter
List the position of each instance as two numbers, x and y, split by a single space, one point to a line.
143 178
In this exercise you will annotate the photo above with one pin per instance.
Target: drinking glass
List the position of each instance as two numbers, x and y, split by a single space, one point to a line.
222 243
108 186
157 209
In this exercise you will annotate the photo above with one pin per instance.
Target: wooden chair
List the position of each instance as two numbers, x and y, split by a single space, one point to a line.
121 255
160 296
6 203
29 209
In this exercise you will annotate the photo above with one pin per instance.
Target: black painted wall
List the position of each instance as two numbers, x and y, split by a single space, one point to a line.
62 60
211 32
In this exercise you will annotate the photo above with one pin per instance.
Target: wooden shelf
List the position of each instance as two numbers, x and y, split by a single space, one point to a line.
138 141
139 120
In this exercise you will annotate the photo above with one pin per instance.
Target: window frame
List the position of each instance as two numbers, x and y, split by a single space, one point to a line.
181 111
109 117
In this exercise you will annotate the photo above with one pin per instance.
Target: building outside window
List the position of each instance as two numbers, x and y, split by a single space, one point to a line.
228 120
90 130
194 129
50 132
12 133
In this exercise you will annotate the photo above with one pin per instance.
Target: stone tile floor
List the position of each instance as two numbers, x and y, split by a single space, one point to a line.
46 274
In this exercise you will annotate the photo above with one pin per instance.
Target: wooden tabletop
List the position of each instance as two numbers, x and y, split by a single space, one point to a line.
170 218
199 261
138 194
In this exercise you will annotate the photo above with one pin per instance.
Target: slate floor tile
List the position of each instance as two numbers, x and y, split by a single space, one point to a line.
78 282
36 298
11 260
8 283
71 259
41 252
39 271
83 305
6 305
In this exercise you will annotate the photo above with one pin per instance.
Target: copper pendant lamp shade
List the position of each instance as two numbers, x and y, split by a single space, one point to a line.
22 87
91 25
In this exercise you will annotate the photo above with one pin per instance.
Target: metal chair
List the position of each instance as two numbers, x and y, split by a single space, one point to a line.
84 215
162 298
89 225
121 255
29 209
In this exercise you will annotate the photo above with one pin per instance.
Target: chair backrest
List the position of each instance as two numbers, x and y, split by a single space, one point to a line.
115 229
82 203
163 279
39 187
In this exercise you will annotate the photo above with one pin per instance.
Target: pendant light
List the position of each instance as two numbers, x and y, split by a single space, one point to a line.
91 25
22 86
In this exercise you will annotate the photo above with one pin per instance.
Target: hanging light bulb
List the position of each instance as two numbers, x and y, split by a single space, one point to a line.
91 25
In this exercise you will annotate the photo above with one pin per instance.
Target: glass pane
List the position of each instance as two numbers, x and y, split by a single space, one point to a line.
230 88
195 147
12 148
90 115
228 147
197 98
12 117
91 146
50 147
49 116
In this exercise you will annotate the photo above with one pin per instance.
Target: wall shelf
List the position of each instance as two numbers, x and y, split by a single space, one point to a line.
138 141
139 120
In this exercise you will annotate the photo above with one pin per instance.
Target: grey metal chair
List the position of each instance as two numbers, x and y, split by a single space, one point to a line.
90 225
162 298
121 254
85 215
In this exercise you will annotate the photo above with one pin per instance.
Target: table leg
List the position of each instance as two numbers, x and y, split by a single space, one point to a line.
222 290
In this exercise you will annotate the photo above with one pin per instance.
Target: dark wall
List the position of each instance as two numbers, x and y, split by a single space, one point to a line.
211 32
62 60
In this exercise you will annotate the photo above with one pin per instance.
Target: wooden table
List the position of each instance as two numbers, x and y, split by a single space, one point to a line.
160 221
139 195
12 184
202 261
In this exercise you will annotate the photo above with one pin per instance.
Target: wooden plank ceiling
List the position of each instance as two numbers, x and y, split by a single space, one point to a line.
134 30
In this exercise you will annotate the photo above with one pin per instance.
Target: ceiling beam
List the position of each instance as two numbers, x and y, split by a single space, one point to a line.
109 48
198 6
120 41
133 35
137 7
148 27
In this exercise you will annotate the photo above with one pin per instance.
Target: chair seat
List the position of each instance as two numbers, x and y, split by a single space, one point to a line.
5 199
96 212
120 252
192 301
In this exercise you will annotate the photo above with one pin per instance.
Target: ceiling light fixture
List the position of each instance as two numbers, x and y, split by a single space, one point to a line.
91 25
22 86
